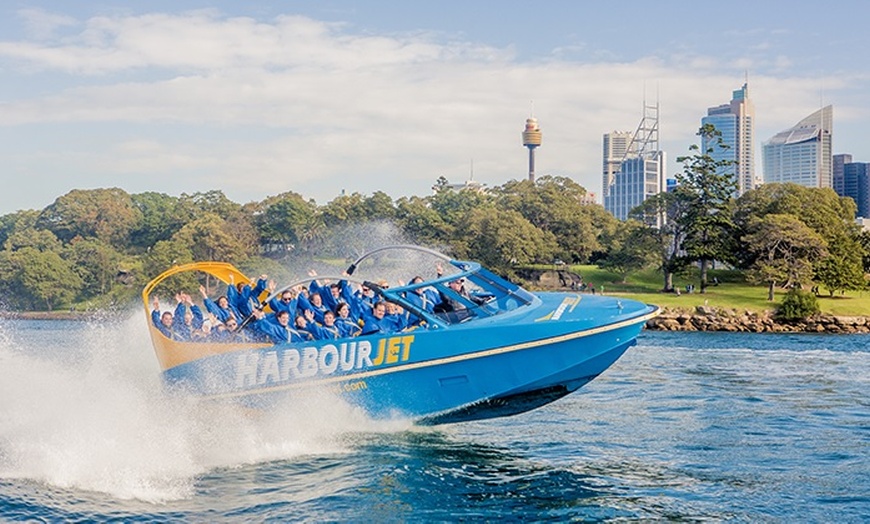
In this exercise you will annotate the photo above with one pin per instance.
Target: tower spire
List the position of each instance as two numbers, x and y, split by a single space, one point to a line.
531 140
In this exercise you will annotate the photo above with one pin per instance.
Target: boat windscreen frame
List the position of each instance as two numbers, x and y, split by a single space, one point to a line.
491 284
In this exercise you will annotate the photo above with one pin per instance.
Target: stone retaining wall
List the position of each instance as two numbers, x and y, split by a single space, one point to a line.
705 318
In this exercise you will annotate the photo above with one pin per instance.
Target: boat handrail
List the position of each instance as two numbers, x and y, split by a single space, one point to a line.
422 249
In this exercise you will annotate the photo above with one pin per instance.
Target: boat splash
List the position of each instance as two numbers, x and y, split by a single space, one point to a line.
92 414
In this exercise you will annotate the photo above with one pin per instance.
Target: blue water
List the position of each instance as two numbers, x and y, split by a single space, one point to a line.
686 426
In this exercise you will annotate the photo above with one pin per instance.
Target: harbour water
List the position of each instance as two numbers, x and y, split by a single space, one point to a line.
686 426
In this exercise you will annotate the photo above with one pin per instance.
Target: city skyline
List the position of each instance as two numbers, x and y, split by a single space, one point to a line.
260 98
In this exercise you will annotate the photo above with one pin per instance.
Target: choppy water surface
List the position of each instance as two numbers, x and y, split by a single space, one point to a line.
686 426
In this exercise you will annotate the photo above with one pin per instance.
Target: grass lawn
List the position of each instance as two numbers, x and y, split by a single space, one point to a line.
732 292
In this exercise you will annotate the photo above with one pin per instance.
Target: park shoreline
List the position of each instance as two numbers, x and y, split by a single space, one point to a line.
709 318
706 318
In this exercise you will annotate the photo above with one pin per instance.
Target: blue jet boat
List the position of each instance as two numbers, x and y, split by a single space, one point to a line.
498 351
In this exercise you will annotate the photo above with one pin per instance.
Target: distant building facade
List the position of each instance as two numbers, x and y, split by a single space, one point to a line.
468 185
802 154
736 121
588 199
639 178
837 172
616 146
641 172
856 185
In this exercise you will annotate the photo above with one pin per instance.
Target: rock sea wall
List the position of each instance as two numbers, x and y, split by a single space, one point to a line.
704 318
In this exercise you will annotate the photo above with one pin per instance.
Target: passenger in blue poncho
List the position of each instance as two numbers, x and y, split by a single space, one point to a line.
348 326
230 332
330 294
361 302
222 309
314 303
278 330
425 298
162 321
287 302
379 322
243 298
185 322
306 326
329 331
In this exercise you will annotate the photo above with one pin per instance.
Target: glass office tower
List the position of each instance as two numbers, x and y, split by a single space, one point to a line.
735 121
802 154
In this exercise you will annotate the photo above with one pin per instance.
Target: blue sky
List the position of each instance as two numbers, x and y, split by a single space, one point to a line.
256 98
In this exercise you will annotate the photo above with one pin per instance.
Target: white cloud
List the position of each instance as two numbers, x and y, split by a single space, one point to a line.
197 101
205 41
41 24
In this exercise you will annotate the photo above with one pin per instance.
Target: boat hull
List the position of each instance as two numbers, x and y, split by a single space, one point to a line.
436 376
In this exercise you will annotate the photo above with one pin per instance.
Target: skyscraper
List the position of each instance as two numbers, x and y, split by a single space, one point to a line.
802 154
642 169
615 149
735 121
856 185
837 174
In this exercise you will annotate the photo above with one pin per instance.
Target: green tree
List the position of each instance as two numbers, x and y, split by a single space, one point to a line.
422 223
662 216
342 209
441 184
357 208
106 214
557 205
165 254
842 269
503 239
864 241
18 221
452 206
161 217
379 206
313 233
39 239
784 250
207 239
822 210
42 277
709 184
96 263
214 201
632 249
797 305
280 221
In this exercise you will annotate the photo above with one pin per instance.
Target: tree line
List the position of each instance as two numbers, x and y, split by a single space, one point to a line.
97 248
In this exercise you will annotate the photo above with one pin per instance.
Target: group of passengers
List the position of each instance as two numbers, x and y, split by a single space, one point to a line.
323 311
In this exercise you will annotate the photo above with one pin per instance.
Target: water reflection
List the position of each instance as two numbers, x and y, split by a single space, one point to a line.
442 477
